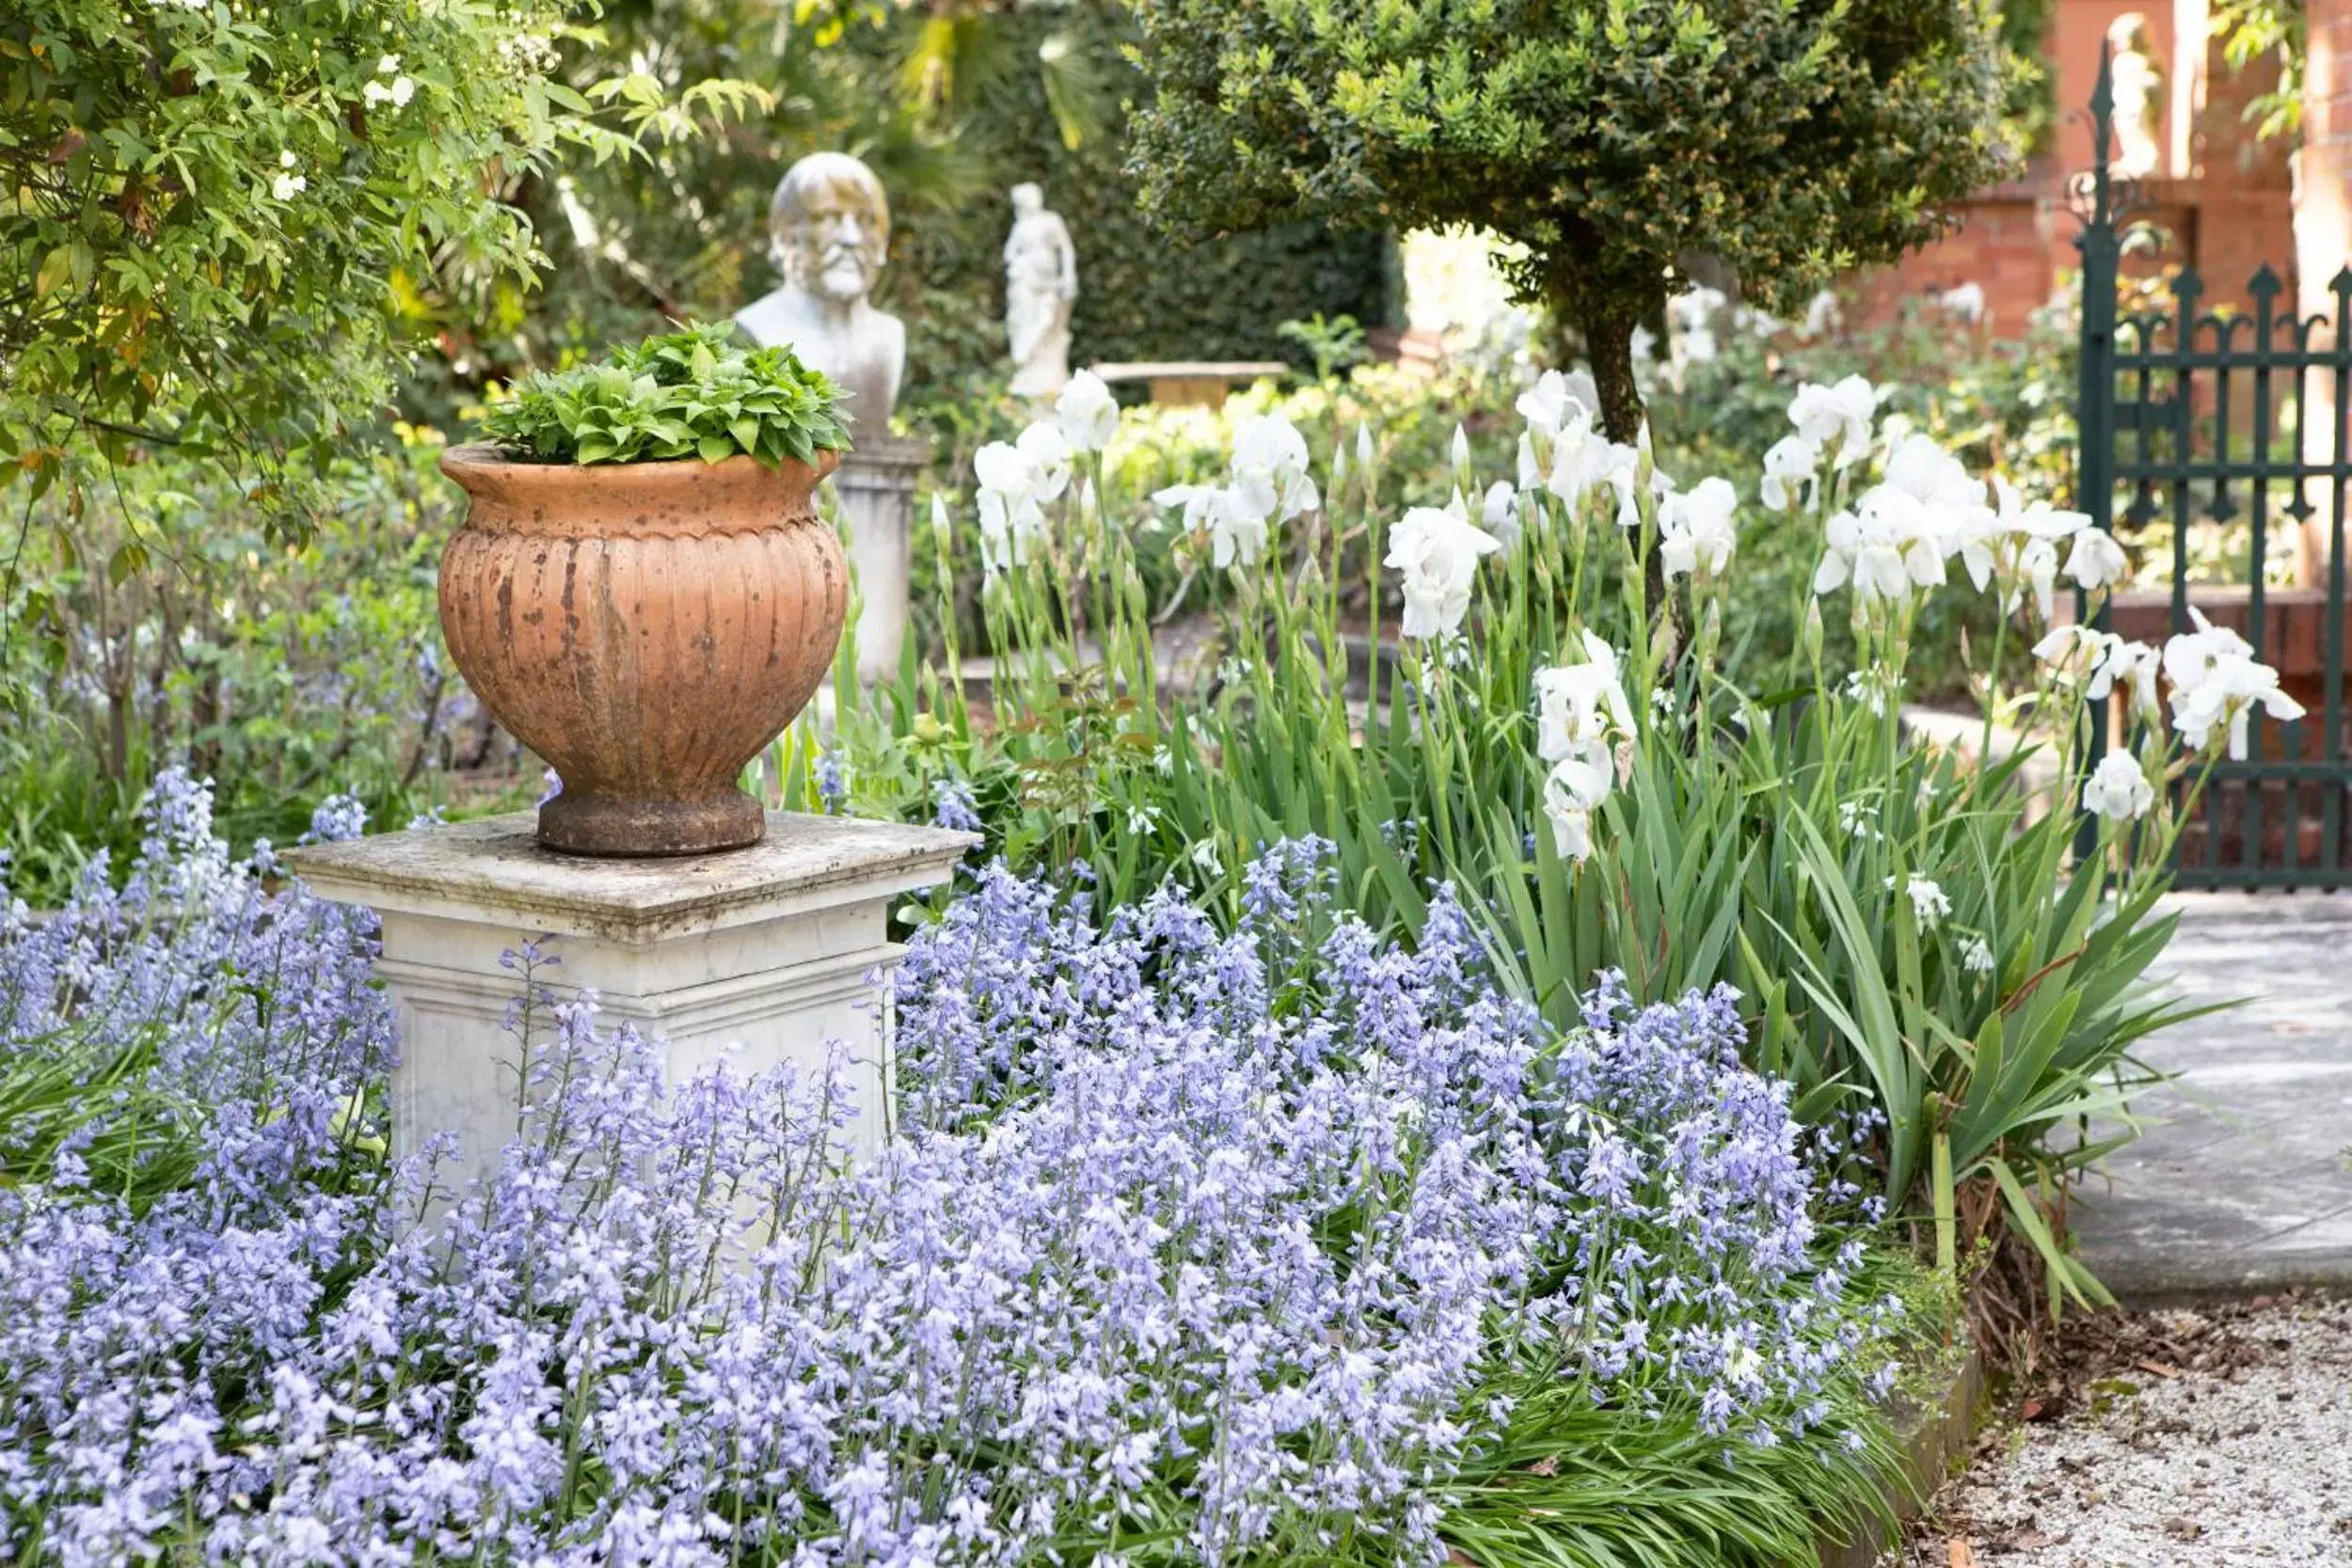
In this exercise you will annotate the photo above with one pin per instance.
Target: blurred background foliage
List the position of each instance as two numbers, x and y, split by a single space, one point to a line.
287 674
952 103
150 614
2031 108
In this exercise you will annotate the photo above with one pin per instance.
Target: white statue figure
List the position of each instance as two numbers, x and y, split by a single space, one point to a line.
1041 285
2137 82
828 231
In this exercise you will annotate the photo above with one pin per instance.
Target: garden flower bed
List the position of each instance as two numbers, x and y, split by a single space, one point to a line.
1190 1246
1505 1122
1560 739
1525 1110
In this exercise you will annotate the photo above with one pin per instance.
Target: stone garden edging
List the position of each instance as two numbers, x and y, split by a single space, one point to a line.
1933 1436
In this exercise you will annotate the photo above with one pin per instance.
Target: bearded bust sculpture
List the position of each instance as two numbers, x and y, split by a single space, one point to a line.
828 231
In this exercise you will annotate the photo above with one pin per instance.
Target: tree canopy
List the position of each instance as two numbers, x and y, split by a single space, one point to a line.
1792 139
211 211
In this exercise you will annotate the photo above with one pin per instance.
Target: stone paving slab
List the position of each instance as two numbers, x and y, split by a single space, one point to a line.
2242 1178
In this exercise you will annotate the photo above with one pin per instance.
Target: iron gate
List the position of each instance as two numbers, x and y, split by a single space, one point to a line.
2193 418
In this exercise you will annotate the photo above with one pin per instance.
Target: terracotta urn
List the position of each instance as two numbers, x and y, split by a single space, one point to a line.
647 629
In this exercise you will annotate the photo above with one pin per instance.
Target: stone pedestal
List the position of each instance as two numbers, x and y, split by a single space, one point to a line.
776 950
875 483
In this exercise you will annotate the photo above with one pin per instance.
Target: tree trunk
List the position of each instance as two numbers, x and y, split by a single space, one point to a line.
1608 329
1609 339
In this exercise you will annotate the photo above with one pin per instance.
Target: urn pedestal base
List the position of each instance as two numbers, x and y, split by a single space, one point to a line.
631 827
767 955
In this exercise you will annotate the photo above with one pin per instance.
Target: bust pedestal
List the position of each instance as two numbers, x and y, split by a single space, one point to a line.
777 949
875 483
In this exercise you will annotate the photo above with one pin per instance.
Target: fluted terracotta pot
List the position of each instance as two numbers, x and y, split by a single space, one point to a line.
647 627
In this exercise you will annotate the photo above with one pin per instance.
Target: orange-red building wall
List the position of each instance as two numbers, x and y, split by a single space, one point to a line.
2223 201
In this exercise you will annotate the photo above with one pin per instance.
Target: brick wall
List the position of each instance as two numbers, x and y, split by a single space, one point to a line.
2005 242
2224 203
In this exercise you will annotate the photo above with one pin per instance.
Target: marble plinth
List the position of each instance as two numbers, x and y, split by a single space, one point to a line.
765 955
875 483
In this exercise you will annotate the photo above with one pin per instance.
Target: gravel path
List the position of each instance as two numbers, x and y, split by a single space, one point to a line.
2171 1439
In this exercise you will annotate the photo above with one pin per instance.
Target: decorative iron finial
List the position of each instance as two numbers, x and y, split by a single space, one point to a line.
2098 198
2103 136
2103 110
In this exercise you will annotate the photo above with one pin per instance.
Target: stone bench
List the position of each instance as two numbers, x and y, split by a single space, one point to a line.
1199 382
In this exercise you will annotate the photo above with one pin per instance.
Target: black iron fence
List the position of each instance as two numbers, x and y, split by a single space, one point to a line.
2218 436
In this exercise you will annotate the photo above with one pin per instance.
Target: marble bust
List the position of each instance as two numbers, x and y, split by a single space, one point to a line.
1040 285
828 229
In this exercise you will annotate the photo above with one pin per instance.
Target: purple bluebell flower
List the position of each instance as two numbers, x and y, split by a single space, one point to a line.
833 783
1230 1232
952 806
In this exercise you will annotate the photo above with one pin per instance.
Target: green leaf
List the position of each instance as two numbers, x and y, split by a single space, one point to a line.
695 392
2068 1273
55 273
